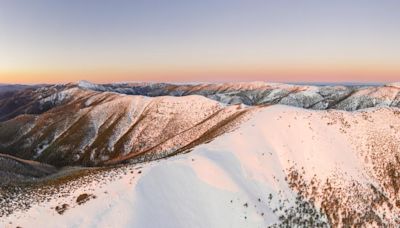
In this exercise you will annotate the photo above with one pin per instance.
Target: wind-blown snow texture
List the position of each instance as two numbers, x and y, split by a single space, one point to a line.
275 165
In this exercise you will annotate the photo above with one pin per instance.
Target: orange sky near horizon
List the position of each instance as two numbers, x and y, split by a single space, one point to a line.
291 73
199 41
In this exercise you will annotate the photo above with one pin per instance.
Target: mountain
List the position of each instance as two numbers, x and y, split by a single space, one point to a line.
67 125
348 98
284 167
13 169
14 87
200 155
93 125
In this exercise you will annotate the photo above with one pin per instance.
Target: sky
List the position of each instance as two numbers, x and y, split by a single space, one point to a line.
50 41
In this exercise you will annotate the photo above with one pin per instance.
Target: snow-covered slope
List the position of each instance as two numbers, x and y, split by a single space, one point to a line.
284 167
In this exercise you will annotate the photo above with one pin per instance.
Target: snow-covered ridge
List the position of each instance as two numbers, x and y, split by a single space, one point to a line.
92 124
74 126
284 167
346 97
244 159
394 84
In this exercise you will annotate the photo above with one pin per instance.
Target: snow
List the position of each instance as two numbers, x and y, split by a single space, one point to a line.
255 93
88 85
394 84
59 97
40 149
209 186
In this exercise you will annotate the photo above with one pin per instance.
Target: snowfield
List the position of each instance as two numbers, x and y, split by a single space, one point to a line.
285 166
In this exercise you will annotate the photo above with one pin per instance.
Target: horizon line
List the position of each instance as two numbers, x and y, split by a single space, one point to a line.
315 83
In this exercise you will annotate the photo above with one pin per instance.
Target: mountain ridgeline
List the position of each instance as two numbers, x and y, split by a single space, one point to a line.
251 155
91 125
348 98
69 125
